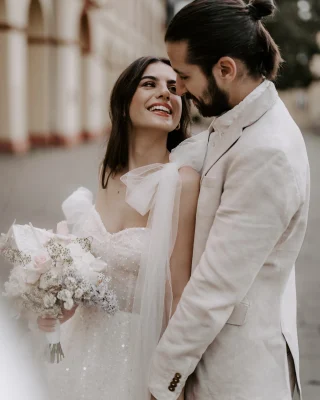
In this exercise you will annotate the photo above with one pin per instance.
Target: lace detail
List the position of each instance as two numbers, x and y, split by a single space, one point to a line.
97 346
121 250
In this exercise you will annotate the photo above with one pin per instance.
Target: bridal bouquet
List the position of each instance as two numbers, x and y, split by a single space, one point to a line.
52 272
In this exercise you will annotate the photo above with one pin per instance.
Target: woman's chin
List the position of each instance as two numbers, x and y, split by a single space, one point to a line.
165 126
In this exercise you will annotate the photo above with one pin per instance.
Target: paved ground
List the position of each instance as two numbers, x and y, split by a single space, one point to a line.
33 187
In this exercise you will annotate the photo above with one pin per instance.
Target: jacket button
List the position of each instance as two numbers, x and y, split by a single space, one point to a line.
176 380
171 388
177 375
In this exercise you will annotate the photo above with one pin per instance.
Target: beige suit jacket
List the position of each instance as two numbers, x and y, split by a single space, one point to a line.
237 315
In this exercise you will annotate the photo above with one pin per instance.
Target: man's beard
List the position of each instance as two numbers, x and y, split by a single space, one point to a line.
216 103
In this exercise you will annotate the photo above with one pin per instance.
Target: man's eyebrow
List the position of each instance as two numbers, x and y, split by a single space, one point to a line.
178 72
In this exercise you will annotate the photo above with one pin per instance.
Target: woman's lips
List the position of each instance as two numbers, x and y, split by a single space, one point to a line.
161 113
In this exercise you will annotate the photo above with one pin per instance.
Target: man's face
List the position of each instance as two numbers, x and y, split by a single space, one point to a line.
204 91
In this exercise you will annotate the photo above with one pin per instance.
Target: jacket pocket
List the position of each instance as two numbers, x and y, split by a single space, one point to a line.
239 314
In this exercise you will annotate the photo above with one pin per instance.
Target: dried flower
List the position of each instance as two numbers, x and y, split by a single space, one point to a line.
78 293
64 295
49 300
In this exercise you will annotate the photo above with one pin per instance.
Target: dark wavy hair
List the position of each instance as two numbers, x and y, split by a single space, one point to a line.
117 155
218 28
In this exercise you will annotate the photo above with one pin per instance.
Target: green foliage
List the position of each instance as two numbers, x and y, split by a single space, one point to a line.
294 29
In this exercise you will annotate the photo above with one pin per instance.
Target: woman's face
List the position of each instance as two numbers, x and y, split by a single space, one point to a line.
155 104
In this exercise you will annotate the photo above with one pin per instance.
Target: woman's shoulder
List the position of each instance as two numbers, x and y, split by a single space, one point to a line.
190 178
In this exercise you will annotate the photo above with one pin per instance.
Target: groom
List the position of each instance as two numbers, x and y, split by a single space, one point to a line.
233 335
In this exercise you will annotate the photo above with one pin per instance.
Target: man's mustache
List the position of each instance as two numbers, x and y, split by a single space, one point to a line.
189 96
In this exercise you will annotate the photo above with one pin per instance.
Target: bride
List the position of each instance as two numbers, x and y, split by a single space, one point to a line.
142 224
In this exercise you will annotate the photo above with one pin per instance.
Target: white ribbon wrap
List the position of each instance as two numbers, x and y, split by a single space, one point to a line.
54 337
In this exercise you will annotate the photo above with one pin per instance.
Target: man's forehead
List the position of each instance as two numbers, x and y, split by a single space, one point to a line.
177 51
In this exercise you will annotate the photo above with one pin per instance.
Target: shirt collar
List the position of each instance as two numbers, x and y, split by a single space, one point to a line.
249 110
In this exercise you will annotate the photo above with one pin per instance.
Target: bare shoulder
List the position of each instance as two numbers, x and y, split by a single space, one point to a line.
190 178
190 189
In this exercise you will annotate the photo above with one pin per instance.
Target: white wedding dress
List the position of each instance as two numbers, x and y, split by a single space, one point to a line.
108 357
97 345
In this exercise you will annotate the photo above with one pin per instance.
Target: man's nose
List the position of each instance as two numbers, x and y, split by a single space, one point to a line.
181 89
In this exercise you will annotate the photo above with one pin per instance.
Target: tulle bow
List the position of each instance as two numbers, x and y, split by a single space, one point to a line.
142 184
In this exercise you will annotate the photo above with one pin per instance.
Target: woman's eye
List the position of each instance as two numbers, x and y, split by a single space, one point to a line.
149 84
183 78
173 89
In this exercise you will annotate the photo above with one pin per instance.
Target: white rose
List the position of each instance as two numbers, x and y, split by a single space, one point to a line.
99 265
78 293
65 295
70 282
68 304
48 279
75 249
49 300
88 258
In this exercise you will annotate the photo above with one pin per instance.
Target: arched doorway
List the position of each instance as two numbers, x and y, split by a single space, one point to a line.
38 76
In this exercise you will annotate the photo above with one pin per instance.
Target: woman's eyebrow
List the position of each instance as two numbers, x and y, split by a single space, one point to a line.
153 78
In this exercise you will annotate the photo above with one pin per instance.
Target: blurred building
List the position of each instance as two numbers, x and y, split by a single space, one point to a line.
303 103
174 6
59 60
304 106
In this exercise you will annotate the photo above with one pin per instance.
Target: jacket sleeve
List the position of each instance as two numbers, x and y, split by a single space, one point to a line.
259 199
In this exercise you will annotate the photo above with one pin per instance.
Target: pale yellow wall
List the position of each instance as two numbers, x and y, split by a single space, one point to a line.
51 86
38 77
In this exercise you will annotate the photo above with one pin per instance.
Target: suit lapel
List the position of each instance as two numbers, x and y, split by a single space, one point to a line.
227 129
219 144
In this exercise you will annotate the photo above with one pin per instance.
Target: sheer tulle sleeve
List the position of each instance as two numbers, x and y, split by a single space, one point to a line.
76 207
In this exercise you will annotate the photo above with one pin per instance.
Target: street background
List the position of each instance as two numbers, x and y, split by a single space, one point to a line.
43 161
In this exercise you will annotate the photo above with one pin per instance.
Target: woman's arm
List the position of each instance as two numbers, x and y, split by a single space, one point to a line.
181 258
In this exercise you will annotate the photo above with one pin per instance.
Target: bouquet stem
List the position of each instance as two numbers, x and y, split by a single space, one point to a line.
55 350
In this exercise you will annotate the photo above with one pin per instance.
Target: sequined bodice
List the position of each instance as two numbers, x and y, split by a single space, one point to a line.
121 251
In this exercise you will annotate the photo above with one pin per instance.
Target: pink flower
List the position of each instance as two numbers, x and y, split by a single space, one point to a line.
62 228
41 263
40 260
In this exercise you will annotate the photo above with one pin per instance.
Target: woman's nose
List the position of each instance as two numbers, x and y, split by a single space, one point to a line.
164 93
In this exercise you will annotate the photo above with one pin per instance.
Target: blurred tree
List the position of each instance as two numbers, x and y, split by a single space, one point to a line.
294 28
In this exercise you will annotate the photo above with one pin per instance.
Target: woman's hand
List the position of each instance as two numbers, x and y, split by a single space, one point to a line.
47 324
